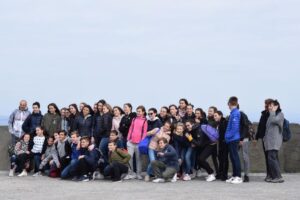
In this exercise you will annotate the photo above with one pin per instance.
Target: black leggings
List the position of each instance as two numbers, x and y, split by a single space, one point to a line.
19 160
83 168
205 153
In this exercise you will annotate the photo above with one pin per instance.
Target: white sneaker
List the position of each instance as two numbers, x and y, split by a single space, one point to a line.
24 173
174 179
158 180
199 173
237 180
97 176
187 177
11 173
230 180
139 177
194 174
129 177
211 178
37 174
147 178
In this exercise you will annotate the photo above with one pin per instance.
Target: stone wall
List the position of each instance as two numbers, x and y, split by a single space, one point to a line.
289 154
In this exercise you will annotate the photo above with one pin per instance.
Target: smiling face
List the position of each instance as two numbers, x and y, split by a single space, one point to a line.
189 126
72 110
163 112
100 107
85 111
167 127
113 136
126 109
105 109
35 109
26 138
51 109
182 105
189 110
161 144
62 136
111 146
151 114
179 129
140 113
23 105
198 114
173 111
39 131
50 141
217 117
117 112
84 143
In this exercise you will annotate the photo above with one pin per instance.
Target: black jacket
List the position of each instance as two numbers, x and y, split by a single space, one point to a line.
164 120
261 129
72 122
222 129
31 122
125 124
97 124
84 126
154 124
199 138
105 124
188 117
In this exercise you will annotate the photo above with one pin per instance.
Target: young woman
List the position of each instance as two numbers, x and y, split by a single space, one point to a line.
126 122
81 105
21 156
200 116
137 132
84 122
118 162
189 115
174 116
74 112
182 107
273 141
118 115
153 121
97 122
39 146
164 114
52 121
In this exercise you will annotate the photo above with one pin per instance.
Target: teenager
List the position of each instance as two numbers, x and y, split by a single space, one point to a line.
174 116
232 138
166 165
154 122
52 121
137 132
164 114
64 121
118 115
39 146
16 120
200 116
97 122
21 156
74 113
84 122
183 103
33 120
189 115
118 162
273 141
126 122
81 105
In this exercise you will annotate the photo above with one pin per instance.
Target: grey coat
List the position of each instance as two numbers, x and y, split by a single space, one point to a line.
273 137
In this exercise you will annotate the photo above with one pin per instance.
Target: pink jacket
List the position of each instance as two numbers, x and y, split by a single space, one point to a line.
138 130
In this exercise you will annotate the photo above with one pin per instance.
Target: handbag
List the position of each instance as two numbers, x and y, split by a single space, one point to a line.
144 145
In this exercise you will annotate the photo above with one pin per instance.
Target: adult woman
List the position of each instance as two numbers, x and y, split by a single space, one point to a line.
164 114
200 116
126 122
84 122
97 122
182 107
118 115
52 121
74 113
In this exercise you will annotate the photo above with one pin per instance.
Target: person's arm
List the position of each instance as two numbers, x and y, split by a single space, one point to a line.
130 130
170 152
125 156
11 122
26 125
58 124
276 119
235 125
152 132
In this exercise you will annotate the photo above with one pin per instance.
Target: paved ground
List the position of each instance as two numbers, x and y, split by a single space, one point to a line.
43 188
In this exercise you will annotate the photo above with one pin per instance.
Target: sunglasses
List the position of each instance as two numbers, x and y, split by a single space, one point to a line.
150 114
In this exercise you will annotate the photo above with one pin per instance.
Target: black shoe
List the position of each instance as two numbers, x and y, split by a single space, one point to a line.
277 180
246 179
268 179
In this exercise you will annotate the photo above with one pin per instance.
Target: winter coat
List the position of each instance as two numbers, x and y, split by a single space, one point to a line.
126 123
32 121
84 125
51 123
233 127
16 120
261 129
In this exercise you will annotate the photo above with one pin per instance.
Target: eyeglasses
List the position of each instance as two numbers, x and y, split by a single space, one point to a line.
150 114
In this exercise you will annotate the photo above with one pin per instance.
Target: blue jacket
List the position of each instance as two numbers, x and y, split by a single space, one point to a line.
233 127
75 152
91 157
170 157
84 126
31 122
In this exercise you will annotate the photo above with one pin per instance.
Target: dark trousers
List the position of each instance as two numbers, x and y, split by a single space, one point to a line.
223 160
215 158
234 157
204 155
37 161
19 161
274 166
82 168
115 170
266 159
161 170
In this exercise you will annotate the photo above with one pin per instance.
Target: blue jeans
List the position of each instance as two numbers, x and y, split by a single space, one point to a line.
152 157
189 160
104 148
233 148
37 161
69 170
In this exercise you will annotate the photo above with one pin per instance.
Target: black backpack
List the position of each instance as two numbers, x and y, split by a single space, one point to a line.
286 133
246 126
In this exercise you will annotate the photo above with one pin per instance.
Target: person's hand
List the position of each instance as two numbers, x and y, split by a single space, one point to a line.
28 152
91 147
51 162
187 135
58 165
197 120
160 154
43 157
241 143
80 157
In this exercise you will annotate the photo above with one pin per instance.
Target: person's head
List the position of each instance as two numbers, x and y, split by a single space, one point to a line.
141 111
233 103
164 111
162 142
85 142
62 135
189 125
274 105
118 111
39 131
180 128
74 137
95 108
100 105
63 112
53 109
173 110
218 116
167 126
81 105
189 109
50 141
73 109
113 136
112 146
152 113
211 111
107 108
183 104
267 103
56 136
23 105
26 137
199 113
87 110
67 113
127 108
36 107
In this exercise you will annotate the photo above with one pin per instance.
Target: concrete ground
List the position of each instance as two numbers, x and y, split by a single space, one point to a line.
37 188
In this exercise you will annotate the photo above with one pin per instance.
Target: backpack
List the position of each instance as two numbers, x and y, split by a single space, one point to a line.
286 132
246 127
211 132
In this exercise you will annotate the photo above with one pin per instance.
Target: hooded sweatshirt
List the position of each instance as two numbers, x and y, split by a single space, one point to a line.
138 130
16 120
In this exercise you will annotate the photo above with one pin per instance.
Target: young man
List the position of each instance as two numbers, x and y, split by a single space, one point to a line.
33 120
166 165
16 120
64 120
232 138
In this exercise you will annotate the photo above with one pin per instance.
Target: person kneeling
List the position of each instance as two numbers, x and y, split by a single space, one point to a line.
118 162
166 165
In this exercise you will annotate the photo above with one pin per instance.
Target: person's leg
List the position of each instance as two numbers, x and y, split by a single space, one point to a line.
130 148
66 172
151 154
118 169
234 157
188 161
274 166
206 152
245 150
13 162
157 167
169 172
37 162
103 147
22 159
107 170
138 160
266 160
215 158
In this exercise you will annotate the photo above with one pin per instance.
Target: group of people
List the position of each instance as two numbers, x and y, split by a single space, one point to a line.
175 143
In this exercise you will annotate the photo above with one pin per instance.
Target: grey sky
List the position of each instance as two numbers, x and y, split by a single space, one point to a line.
151 53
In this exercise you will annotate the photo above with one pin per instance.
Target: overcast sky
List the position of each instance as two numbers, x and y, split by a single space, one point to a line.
151 52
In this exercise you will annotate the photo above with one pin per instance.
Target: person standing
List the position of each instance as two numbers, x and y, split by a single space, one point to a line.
33 120
52 121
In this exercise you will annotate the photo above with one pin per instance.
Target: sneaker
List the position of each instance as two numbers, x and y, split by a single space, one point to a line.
11 173
268 179
230 180
147 178
237 180
158 180
24 173
174 179
194 174
84 178
129 177
123 176
246 179
119 181
277 180
199 173
211 178
139 177
37 174
187 177
75 178
97 176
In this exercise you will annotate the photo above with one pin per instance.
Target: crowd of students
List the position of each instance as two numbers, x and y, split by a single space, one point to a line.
175 143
